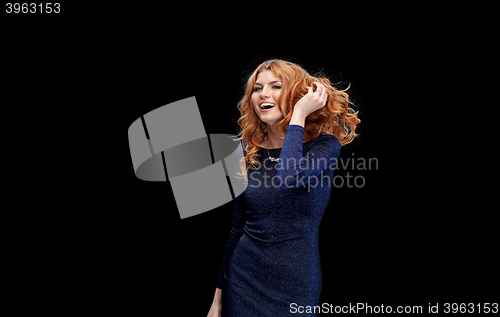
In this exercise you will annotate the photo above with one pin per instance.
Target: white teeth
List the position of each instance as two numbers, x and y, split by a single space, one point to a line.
266 104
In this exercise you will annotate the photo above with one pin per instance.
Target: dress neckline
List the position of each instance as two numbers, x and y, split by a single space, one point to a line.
278 148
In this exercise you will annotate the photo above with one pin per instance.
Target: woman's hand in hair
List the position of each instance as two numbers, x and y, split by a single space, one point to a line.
311 102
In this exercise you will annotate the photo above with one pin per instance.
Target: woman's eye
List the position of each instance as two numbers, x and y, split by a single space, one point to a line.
260 88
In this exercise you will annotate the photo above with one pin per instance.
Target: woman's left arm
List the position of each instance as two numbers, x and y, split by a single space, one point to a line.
295 168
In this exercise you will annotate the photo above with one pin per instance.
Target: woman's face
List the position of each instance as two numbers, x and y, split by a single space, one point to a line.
265 97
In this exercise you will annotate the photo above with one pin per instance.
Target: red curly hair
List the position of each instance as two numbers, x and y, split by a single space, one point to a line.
336 118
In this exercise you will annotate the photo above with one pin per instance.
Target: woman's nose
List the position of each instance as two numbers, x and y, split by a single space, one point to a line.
264 93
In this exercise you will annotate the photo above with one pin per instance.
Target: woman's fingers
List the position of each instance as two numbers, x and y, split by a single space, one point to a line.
321 90
309 90
318 86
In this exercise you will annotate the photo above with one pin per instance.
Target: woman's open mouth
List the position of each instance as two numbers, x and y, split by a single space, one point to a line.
266 106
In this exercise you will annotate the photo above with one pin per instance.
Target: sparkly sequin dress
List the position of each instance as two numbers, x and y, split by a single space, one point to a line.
271 259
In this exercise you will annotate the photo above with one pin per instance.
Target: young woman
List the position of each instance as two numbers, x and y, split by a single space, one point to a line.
292 127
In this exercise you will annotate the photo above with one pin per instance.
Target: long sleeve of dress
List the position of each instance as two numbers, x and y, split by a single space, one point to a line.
239 217
297 168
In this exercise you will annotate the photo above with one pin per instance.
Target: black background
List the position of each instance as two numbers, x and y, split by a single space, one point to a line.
74 84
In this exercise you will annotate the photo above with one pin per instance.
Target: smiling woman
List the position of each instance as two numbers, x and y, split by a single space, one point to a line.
292 134
284 84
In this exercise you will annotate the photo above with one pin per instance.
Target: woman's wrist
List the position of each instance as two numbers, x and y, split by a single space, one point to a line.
298 118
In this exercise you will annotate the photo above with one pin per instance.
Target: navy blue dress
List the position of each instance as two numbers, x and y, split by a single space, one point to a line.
271 259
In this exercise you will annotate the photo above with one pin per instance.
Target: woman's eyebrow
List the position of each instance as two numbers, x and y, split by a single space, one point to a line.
272 82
